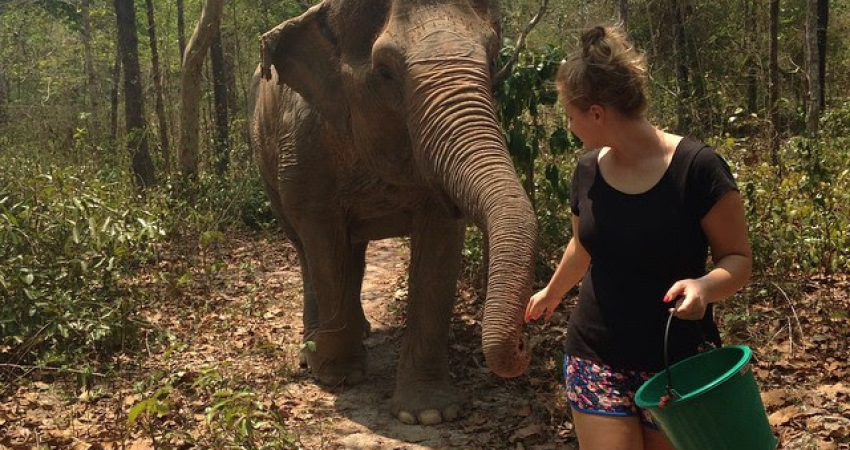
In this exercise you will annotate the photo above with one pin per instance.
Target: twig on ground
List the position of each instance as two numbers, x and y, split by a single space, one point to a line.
790 336
55 369
793 311
776 334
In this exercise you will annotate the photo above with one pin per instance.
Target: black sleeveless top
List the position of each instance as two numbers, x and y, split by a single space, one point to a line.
639 246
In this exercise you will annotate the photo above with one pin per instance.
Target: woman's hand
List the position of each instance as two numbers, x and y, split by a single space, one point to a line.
691 299
541 303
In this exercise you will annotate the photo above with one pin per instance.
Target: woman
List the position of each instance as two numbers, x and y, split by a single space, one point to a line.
647 207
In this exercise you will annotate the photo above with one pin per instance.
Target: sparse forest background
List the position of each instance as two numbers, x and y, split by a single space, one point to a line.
98 180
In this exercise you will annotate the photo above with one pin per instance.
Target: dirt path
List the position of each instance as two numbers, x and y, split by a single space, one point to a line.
215 366
235 327
360 418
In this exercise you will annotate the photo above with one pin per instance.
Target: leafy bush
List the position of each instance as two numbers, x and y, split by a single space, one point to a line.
798 222
67 239
212 203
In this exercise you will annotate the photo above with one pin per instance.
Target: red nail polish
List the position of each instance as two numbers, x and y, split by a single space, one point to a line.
666 299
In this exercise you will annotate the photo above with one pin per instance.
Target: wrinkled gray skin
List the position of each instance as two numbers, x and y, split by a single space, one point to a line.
373 119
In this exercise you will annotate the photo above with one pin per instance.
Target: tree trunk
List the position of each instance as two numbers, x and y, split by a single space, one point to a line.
683 122
813 66
91 81
220 93
623 12
773 85
4 116
230 57
157 81
137 140
190 82
823 23
750 60
181 30
113 95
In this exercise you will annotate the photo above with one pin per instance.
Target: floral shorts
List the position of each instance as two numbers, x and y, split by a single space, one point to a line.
595 388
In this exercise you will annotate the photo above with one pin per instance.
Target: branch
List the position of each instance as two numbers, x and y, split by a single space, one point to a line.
520 43
56 369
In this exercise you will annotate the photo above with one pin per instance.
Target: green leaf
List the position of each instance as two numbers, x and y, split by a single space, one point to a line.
310 346
559 141
138 408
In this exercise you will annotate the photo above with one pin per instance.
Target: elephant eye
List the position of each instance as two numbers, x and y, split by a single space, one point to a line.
385 72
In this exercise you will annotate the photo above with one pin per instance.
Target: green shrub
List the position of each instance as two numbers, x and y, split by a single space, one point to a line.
67 239
798 222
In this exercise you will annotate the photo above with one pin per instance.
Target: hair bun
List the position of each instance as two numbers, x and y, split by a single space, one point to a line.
590 38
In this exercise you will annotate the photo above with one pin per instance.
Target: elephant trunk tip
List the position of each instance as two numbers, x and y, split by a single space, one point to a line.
508 362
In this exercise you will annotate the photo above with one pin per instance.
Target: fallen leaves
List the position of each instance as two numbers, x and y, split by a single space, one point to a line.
245 321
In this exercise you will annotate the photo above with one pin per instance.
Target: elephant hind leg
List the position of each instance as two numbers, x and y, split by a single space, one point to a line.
335 273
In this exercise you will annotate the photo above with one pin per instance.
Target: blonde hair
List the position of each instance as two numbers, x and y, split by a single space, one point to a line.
607 70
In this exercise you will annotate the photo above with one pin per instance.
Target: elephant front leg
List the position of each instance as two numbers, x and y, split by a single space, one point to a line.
424 393
335 278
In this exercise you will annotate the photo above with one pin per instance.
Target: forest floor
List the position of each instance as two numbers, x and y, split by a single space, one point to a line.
217 367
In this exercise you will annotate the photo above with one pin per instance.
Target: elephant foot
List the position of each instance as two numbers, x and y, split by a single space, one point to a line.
305 352
336 371
426 403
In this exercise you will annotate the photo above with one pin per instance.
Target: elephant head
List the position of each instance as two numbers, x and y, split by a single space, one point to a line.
409 83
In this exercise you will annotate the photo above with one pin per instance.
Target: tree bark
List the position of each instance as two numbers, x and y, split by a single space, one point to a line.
181 30
190 82
222 124
813 66
750 60
157 81
137 141
683 122
823 23
113 95
623 12
773 85
4 116
91 81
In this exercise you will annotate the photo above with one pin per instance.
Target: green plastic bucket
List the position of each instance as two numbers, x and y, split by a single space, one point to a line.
715 403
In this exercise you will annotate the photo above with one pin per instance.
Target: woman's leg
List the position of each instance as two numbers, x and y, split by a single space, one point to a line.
655 440
602 432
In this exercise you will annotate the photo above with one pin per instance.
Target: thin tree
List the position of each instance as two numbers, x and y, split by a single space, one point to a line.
157 82
750 67
113 95
137 140
190 82
91 81
813 66
677 16
181 29
623 13
4 116
823 23
222 148
773 85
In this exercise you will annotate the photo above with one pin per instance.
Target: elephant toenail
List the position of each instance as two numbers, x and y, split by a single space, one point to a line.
406 418
430 417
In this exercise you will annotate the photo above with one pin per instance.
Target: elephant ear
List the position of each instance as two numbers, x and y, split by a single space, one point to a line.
305 55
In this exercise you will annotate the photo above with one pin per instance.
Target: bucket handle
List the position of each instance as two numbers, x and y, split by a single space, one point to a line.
671 392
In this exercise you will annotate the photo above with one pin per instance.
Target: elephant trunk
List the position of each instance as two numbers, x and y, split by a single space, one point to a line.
459 144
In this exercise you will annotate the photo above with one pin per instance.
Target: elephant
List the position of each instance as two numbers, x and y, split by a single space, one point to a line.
373 119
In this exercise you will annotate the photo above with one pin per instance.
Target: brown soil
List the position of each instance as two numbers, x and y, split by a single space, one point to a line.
235 327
